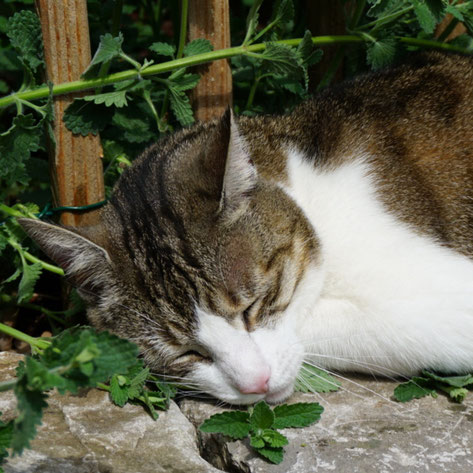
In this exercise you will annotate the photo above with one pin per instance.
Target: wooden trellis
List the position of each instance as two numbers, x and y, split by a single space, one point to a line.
76 166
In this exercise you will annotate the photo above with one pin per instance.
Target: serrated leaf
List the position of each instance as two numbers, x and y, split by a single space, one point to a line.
282 59
137 383
437 8
134 127
117 98
163 49
256 441
40 378
455 381
262 416
109 48
274 439
454 11
118 393
186 82
252 20
6 436
85 117
30 405
424 16
31 273
24 31
234 424
416 388
297 415
381 53
274 455
312 379
285 12
198 46
378 7
181 107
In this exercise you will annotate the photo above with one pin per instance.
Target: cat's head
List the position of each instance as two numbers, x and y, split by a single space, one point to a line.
204 264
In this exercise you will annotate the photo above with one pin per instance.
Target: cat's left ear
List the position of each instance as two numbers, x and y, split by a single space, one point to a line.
240 175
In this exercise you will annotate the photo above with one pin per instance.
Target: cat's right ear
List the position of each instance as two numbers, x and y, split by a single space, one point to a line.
85 264
240 174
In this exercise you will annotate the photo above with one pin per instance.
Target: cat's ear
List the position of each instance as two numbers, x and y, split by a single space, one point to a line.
86 264
240 174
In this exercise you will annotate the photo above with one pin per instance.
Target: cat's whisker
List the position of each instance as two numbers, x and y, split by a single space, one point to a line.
310 389
348 380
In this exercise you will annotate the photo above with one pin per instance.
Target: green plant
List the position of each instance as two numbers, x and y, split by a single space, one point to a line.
261 424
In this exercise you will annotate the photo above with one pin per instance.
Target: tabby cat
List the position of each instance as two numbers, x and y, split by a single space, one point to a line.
341 233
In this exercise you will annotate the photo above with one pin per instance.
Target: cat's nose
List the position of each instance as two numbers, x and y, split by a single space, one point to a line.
259 385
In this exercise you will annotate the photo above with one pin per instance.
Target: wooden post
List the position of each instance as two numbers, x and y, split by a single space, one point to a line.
76 165
210 19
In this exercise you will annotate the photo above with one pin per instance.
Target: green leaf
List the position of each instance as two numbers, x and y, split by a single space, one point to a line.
307 52
24 31
262 416
31 274
118 393
381 53
186 82
198 46
312 379
137 383
457 394
85 117
163 49
109 48
282 59
424 16
133 125
415 388
455 381
181 107
274 439
117 98
379 7
30 405
274 455
38 377
284 13
454 11
296 415
6 436
235 424
252 20
256 441
437 8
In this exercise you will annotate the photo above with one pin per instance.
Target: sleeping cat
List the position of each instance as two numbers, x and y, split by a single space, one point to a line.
341 233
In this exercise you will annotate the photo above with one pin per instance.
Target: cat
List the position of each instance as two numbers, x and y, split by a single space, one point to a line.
340 233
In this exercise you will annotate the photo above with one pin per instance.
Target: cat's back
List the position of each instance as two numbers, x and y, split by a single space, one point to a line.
412 128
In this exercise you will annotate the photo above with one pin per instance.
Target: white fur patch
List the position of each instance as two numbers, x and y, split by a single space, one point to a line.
392 301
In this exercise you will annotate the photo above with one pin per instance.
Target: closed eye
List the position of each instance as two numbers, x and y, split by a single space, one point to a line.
248 316
197 354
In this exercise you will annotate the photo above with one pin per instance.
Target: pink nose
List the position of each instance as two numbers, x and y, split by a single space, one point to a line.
256 386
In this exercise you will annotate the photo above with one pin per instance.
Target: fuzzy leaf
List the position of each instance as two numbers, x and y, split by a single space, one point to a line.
256 441
117 98
119 394
416 388
437 7
24 31
31 273
109 48
137 382
378 7
198 46
296 415
85 117
455 381
274 439
454 11
30 407
180 106
274 455
424 16
262 416
313 379
285 12
282 59
235 424
133 125
381 53
6 436
186 82
252 19
163 49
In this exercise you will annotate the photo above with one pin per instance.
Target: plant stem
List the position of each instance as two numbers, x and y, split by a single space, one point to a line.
355 19
33 259
38 343
183 29
385 19
76 86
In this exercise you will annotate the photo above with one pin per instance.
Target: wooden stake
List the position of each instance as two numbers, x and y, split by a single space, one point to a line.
76 165
210 19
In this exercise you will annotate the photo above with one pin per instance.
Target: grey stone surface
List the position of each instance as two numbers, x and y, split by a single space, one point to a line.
88 434
361 431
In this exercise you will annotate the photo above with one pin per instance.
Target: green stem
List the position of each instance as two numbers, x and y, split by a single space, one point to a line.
33 259
183 30
9 211
385 19
38 343
76 86
355 19
263 31
7 385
